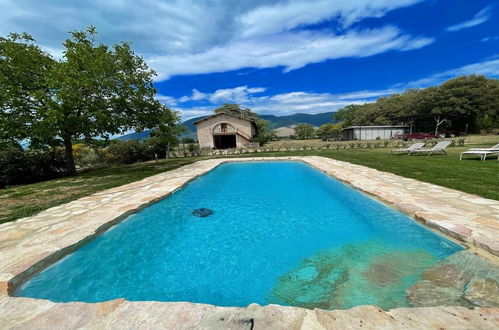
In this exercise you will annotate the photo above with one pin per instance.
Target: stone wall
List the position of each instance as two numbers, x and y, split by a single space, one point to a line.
205 127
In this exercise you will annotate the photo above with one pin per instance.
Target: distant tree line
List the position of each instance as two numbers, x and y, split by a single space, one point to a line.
326 132
466 103
304 131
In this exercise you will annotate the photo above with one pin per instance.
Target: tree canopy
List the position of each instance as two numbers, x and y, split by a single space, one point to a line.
471 101
236 110
304 131
93 91
167 132
329 131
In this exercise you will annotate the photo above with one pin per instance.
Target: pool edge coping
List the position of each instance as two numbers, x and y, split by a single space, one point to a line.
7 287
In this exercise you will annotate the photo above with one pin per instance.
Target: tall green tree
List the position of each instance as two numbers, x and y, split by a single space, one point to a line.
304 131
93 91
473 100
348 114
25 88
466 103
236 110
167 132
265 133
329 131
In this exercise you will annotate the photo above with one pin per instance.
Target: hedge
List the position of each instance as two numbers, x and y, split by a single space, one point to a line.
22 167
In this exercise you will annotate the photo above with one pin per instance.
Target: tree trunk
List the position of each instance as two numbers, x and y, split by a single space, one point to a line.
70 162
411 122
439 122
168 150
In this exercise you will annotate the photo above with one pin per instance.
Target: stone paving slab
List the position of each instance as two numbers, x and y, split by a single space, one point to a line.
30 244
122 314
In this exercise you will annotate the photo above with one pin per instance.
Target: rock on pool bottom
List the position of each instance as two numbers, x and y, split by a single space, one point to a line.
281 232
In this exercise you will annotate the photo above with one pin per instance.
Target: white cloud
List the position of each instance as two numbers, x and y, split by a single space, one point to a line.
305 102
195 112
240 94
285 16
291 50
481 17
310 102
490 39
278 104
168 100
489 68
190 37
367 94
195 96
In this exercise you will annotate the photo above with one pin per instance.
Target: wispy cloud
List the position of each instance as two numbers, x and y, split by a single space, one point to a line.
310 102
192 37
288 15
195 96
486 39
290 50
489 68
236 95
481 17
277 104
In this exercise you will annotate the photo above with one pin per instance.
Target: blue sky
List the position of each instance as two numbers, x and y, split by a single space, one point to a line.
279 57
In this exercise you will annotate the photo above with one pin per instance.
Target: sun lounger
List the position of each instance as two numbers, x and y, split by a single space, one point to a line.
494 148
415 146
482 152
436 149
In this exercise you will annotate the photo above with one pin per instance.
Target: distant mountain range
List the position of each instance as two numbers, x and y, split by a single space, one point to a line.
276 122
299 118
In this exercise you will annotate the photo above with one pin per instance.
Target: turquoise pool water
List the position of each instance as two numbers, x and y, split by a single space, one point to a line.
281 232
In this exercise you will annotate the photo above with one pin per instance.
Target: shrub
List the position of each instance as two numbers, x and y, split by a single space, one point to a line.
153 146
22 167
95 156
128 152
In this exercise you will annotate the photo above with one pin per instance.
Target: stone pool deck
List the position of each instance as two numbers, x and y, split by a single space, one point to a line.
30 244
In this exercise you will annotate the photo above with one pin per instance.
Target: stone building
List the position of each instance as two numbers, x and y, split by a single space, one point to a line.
224 131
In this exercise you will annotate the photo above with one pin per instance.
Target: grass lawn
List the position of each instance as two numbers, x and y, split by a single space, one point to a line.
22 201
470 175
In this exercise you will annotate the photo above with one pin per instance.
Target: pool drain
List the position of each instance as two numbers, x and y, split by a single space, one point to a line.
202 212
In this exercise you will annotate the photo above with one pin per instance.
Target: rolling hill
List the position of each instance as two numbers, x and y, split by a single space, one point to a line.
298 118
276 122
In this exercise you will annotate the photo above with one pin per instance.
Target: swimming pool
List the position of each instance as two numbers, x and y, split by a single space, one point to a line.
281 232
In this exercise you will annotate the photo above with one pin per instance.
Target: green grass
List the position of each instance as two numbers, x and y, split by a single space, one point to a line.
469 175
22 201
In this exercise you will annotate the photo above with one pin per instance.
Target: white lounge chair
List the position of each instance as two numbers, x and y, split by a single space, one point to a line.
482 152
436 149
413 147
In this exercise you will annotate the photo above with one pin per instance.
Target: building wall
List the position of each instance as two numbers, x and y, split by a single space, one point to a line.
371 133
205 127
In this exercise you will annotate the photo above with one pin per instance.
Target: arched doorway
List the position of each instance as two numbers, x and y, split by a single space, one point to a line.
224 136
